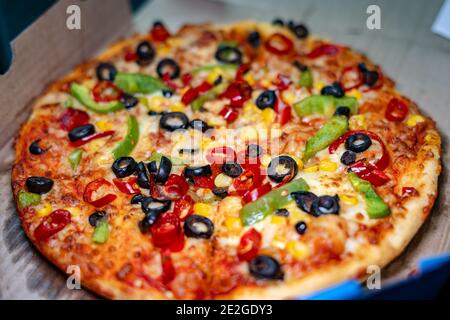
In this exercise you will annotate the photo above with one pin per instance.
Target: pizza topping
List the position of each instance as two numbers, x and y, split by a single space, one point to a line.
343 111
282 168
351 78
145 53
35 149
200 125
229 114
39 185
133 83
396 110
334 90
376 207
254 39
279 44
301 227
325 205
27 199
238 92
95 217
367 171
172 121
95 187
257 192
211 94
105 71
142 176
126 146
348 157
191 172
282 212
228 54
124 167
72 118
249 245
168 69
251 178
221 192
82 94
151 206
324 50
183 207
300 30
166 231
75 158
81 132
174 188
265 267
159 32
101 231
232 169
129 101
370 77
163 172
305 200
324 105
358 142
196 226
267 99
221 155
52 224
128 186
105 91
306 78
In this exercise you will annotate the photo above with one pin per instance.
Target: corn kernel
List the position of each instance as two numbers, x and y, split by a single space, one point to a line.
213 75
268 116
265 83
327 165
311 169
157 103
233 223
203 209
177 107
432 139
104 125
250 79
298 161
74 211
358 121
415 119
298 249
265 160
45 210
163 50
143 100
279 241
278 220
94 145
318 85
349 199
355 93
222 181
288 97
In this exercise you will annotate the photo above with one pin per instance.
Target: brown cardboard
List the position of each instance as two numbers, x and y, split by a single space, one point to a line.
405 48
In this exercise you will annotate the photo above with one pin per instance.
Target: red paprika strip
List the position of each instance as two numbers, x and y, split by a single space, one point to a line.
284 111
409 192
238 92
325 49
165 230
351 78
229 114
94 136
183 207
203 182
254 194
159 33
52 224
73 118
105 91
251 178
127 186
93 187
396 110
249 245
369 172
279 44
168 270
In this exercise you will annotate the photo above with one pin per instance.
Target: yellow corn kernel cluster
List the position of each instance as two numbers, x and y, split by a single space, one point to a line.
296 214
177 107
358 121
233 223
203 209
314 168
349 199
279 241
214 74
157 103
104 125
163 50
268 115
432 139
278 220
74 211
45 210
355 93
103 159
250 79
265 83
298 249
415 119
318 85
222 181
288 97
94 145
327 165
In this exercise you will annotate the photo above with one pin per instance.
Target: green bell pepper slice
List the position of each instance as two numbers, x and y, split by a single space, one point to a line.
126 146
198 103
83 95
225 67
75 158
28 199
101 232
258 210
330 131
138 83
324 105
376 207
306 79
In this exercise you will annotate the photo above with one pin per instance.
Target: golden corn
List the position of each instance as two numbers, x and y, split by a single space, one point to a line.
45 210
268 116
278 220
203 209
157 103
297 249
250 79
288 97
214 75
104 125
177 107
266 83
233 223
328 165
279 241
349 199
358 121
354 93
222 181
94 145
74 211
415 119
311 169
318 85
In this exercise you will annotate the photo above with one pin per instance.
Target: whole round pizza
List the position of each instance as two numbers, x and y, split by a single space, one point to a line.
248 160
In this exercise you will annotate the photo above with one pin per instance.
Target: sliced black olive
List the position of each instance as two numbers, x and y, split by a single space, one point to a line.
124 167
326 205
362 67
137 199
96 217
158 23
278 22
172 121
190 172
300 66
282 168
196 226
343 111
148 221
106 71
81 132
220 192
358 142
304 200
129 101
168 66
145 53
218 80
152 166
200 125
156 113
334 90
300 30
188 151
227 54
165 166
142 176
167 93
34 148
348 157
232 169
283 212
254 39
254 151
266 99
265 267
150 205
301 227
370 77
39 185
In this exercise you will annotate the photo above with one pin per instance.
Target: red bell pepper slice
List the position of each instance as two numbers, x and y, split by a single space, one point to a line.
249 245
242 70
130 55
369 172
91 137
254 194
351 78
249 179
282 82
176 185
396 110
168 270
409 192
221 155
284 111
203 182
381 164
190 95
168 81
229 114
159 33
92 187
127 186
52 224
183 207
186 78
105 91
325 49
238 92
165 230
72 118
279 44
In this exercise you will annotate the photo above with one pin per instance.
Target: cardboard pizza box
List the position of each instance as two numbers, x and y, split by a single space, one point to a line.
45 51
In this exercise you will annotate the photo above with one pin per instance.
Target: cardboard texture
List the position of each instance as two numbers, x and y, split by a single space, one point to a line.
405 47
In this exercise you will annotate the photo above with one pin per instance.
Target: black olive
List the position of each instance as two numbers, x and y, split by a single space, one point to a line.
343 111
358 142
96 217
145 53
137 199
227 54
190 172
148 221
266 99
172 121
155 113
326 205
152 166
34 148
278 22
158 23
167 93
370 77
142 176
39 185
232 169
254 39
123 167
129 101
188 151
165 166
300 66
283 212
300 31
290 25
362 67
200 125
254 151
282 167
333 90
304 200
265 267
106 71
348 157
220 192
301 227
81 132
150 205
198 227
168 66
218 80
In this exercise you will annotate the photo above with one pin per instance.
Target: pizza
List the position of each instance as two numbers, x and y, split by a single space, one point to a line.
248 160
